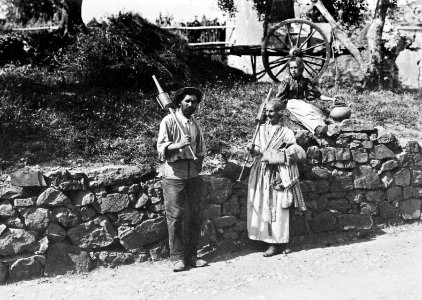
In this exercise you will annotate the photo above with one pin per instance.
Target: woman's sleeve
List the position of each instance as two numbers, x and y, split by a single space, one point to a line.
312 91
283 90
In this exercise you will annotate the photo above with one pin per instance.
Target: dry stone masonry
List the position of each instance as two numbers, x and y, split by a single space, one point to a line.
69 221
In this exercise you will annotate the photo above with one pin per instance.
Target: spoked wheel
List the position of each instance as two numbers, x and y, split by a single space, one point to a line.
295 37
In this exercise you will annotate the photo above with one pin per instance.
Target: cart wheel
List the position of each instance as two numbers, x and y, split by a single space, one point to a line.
295 37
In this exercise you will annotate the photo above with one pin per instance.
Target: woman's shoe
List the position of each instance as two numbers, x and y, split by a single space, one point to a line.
272 250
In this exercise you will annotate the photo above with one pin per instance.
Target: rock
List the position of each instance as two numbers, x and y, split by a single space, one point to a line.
333 129
113 203
231 207
360 155
387 179
318 172
412 147
411 209
2 228
350 125
58 176
375 163
142 201
6 209
344 164
341 181
25 202
213 211
402 177
130 216
159 253
405 159
52 197
72 185
15 223
417 192
354 136
15 241
386 211
122 189
25 268
87 213
416 178
313 152
147 232
65 217
322 222
375 196
82 198
42 246
297 225
368 208
224 221
356 196
231 235
367 144
114 259
342 154
111 175
340 205
217 190
347 222
27 177
328 154
55 232
228 169
11 192
63 258
93 234
366 178
394 194
382 152
36 218
135 188
389 165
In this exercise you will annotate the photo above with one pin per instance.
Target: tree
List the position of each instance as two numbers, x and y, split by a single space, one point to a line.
72 22
374 76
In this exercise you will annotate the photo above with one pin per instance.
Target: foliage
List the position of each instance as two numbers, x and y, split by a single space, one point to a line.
22 11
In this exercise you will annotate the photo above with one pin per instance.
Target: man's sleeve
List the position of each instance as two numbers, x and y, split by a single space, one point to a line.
164 139
201 149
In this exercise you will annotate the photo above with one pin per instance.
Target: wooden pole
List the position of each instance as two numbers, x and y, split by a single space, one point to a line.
340 34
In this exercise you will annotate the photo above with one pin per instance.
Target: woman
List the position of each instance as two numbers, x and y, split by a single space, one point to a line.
300 92
273 185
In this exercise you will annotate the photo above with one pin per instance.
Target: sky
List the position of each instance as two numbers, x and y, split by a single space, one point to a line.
181 10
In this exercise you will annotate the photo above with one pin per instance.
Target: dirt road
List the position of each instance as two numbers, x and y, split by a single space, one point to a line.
387 265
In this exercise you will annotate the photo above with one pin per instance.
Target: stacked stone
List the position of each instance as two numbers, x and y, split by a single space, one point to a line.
361 179
64 221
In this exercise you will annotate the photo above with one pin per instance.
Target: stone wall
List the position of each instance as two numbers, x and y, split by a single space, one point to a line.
69 221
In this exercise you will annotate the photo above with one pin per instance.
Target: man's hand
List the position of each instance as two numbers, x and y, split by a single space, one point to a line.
185 141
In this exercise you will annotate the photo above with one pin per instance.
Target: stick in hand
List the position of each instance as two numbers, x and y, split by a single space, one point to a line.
259 120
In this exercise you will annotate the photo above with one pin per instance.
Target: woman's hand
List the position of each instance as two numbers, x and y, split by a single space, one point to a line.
253 150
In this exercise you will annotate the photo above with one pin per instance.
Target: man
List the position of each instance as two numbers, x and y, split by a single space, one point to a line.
273 185
300 92
181 181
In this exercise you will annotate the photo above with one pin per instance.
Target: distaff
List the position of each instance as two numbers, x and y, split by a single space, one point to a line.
165 103
260 118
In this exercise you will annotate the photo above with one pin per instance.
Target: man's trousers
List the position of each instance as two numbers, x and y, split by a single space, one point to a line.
182 203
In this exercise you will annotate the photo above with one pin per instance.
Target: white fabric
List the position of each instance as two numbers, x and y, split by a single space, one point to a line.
267 220
310 116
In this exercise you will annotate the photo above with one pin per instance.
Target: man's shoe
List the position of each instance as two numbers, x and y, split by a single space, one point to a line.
179 266
198 263
272 250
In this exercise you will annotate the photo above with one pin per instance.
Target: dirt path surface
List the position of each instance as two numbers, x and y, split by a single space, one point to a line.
386 265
